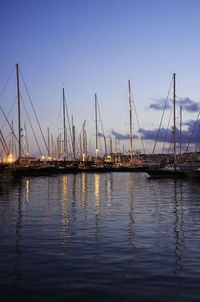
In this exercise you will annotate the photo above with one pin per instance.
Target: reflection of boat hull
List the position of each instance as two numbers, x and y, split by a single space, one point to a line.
94 170
44 171
34 171
192 173
4 176
6 173
165 173
67 169
129 169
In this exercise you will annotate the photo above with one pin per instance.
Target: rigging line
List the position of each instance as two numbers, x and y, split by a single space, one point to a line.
69 126
165 139
3 142
70 130
162 117
6 84
59 114
70 148
26 136
10 126
170 145
4 149
192 132
138 123
102 128
31 126
196 147
10 110
168 129
35 113
78 144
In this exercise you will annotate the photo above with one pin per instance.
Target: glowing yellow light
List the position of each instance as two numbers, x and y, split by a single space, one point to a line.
97 153
49 157
10 158
43 157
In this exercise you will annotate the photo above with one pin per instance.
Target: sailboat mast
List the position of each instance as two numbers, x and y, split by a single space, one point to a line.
174 77
48 137
52 147
12 140
19 112
96 127
111 146
180 130
73 141
84 141
130 114
27 147
64 126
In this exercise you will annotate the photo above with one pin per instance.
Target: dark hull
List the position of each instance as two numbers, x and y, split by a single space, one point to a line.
43 171
129 169
166 173
95 170
193 173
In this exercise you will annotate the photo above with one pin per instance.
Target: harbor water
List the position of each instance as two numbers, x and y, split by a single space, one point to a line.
99 237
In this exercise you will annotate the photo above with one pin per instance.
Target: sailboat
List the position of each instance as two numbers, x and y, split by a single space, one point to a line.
133 165
7 171
173 171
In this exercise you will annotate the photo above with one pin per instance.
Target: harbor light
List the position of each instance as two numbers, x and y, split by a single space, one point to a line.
49 157
43 157
10 158
108 158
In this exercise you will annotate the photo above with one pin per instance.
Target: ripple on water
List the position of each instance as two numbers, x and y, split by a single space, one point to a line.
113 236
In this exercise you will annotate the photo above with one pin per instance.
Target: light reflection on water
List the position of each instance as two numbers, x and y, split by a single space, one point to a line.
99 236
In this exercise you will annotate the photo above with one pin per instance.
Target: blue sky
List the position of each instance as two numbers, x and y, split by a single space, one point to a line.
97 46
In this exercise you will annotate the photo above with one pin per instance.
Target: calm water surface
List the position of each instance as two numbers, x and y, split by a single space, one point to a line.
94 237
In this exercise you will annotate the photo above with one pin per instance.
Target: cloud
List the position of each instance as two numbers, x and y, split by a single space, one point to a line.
100 134
120 136
167 136
151 134
187 104
159 105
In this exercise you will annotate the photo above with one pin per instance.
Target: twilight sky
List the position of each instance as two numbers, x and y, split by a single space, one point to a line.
97 46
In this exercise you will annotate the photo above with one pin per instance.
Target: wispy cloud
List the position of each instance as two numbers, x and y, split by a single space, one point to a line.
151 134
166 135
187 104
100 134
120 136
159 105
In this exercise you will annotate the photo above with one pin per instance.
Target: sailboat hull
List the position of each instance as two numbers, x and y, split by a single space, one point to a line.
165 173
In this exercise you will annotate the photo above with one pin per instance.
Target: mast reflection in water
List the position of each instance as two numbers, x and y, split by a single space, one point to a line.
94 237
